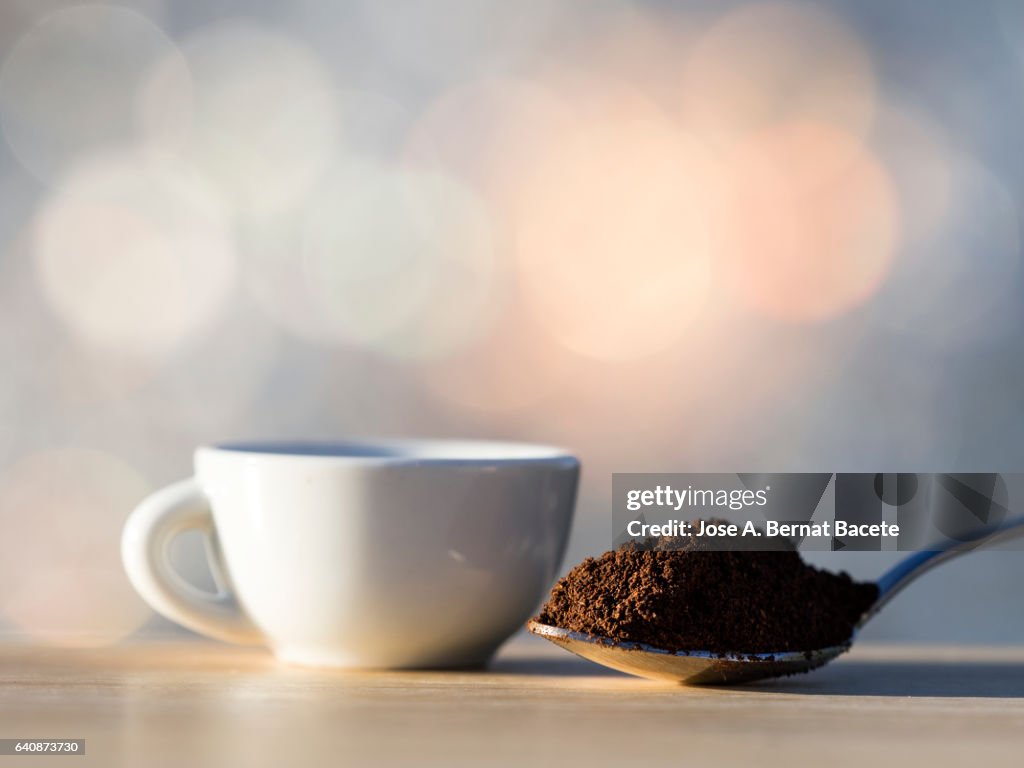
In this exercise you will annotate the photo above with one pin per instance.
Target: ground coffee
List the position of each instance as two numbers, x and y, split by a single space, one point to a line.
690 593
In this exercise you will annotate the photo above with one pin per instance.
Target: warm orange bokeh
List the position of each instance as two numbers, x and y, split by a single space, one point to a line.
615 232
765 64
814 223
60 553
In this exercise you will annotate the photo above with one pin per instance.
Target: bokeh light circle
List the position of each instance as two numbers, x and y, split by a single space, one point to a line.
263 120
446 38
134 254
400 261
72 85
372 125
62 512
490 133
643 44
768 63
614 234
816 223
959 281
919 159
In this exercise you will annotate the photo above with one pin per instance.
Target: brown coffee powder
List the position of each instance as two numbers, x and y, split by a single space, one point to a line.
686 593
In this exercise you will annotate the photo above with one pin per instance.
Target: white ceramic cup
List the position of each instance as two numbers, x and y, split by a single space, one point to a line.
373 554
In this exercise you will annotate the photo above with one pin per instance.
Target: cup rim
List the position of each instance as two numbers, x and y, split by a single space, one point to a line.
395 452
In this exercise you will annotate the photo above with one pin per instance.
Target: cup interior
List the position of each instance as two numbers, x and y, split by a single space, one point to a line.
401 451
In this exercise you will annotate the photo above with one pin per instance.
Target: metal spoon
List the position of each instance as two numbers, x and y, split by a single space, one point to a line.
708 668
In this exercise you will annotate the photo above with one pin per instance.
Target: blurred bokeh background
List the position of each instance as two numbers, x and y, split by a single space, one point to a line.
671 236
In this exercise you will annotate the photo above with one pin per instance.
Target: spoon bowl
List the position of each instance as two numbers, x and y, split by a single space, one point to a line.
698 667
686 667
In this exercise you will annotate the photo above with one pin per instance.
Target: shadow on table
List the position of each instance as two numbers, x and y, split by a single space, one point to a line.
906 678
570 666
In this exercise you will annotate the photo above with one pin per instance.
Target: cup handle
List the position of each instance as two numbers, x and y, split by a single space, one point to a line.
145 551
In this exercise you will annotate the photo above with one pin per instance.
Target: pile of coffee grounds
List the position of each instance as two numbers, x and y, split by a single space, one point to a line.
686 593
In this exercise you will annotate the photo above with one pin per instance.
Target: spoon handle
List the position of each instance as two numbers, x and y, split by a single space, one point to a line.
907 570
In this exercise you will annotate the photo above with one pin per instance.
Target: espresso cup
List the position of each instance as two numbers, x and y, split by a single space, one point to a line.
384 554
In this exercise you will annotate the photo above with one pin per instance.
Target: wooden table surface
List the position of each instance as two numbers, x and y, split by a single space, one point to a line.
187 704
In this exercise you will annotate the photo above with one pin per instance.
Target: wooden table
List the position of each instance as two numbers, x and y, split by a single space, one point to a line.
190 704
